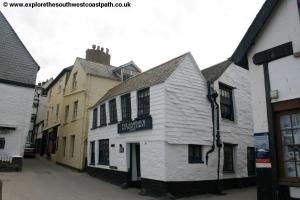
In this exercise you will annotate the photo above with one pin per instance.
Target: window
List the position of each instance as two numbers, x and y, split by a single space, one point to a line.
67 113
47 118
102 115
113 111
228 158
195 153
103 152
64 142
57 112
95 118
72 145
143 102
59 88
74 82
75 108
226 102
126 76
126 107
251 160
288 132
92 150
50 92
2 143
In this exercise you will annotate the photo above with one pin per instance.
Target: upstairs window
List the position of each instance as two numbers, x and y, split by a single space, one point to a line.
143 98
57 112
226 102
126 107
113 111
102 115
75 109
74 81
2 143
126 76
95 118
195 153
228 158
66 113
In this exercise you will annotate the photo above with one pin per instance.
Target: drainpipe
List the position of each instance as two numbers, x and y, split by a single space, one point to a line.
219 143
210 99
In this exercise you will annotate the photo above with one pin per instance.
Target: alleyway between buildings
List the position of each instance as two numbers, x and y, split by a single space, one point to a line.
44 180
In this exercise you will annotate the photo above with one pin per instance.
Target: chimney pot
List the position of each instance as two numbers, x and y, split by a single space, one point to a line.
98 48
94 46
107 50
102 49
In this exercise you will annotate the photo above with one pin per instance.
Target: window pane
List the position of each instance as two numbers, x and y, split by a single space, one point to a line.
285 122
290 169
296 121
287 137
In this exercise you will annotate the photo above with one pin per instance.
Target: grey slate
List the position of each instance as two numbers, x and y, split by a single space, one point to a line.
146 79
16 63
214 72
98 69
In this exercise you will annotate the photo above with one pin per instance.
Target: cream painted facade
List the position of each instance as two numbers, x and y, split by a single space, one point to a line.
74 128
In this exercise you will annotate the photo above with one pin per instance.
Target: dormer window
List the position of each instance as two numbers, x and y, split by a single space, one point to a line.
126 76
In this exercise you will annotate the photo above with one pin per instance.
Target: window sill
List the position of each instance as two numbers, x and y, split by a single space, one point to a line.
228 172
126 120
143 117
105 164
92 164
114 122
196 162
73 120
94 128
102 125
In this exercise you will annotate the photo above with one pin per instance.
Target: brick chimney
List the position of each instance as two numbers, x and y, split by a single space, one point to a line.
98 55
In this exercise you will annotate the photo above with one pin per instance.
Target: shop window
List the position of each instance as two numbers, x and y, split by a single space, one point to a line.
228 158
103 152
226 102
290 144
113 111
92 150
143 98
195 153
95 118
126 107
251 160
102 115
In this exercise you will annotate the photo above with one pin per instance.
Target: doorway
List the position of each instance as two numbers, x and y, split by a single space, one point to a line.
135 165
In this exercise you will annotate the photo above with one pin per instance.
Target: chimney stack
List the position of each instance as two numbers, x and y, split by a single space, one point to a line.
98 55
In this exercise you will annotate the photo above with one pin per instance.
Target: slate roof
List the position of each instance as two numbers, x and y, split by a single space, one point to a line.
67 69
16 64
98 69
239 56
214 72
146 79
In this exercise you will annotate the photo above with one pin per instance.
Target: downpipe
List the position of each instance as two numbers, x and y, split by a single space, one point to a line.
210 99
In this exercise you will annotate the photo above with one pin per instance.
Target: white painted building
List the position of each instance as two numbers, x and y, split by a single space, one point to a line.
271 51
156 128
17 81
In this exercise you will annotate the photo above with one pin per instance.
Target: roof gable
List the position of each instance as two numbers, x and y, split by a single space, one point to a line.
239 57
214 72
16 63
146 79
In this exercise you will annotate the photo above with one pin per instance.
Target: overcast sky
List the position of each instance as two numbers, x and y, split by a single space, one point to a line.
149 33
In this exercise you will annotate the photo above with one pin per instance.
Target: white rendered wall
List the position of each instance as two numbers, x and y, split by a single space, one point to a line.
151 141
15 109
285 77
283 26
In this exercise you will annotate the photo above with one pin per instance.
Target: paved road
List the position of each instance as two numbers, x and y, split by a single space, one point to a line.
43 180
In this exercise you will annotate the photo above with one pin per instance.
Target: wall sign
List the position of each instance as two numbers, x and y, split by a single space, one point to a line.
136 125
262 150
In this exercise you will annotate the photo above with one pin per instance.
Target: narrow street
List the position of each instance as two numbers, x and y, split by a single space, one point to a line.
43 180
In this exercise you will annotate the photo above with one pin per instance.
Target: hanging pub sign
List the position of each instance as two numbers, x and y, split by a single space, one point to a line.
262 149
136 125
